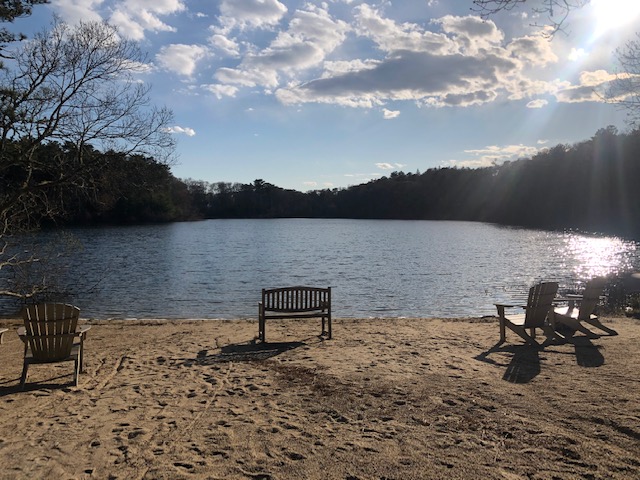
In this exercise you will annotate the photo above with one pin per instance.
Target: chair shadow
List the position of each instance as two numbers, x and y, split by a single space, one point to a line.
246 352
524 365
587 354
10 387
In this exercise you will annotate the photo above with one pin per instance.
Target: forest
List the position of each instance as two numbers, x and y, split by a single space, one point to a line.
590 186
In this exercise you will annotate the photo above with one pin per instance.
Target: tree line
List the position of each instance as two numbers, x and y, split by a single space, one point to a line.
588 186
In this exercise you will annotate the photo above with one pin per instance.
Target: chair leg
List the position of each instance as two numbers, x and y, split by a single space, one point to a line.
81 353
503 330
76 370
23 377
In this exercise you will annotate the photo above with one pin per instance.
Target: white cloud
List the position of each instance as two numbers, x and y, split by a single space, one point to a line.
73 11
180 58
465 64
389 166
311 35
189 132
537 103
535 50
591 88
389 114
250 13
228 46
221 90
493 154
134 17
576 54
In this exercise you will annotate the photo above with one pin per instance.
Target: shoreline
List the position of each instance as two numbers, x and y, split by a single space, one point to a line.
385 398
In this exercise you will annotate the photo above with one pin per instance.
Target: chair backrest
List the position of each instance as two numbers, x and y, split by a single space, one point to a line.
50 329
591 297
539 303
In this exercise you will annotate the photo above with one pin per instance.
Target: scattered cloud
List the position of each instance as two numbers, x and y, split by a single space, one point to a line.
390 114
577 54
493 154
135 17
221 91
301 54
463 64
181 59
189 132
538 103
311 35
73 11
243 14
591 88
390 166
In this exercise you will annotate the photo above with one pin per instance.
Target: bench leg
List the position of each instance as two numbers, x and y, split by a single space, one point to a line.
261 332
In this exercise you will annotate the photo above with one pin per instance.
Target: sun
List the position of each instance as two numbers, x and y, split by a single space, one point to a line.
611 15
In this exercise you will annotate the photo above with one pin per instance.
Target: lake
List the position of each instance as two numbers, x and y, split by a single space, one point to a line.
216 268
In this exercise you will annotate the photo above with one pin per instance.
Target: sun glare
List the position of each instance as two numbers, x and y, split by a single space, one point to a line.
613 14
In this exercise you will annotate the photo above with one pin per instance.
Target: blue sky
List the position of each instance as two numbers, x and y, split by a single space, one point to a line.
309 95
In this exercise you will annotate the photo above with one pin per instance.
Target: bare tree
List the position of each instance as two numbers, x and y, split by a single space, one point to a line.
554 12
625 89
72 86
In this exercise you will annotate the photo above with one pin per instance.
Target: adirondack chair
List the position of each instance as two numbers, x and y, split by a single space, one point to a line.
588 301
49 333
538 307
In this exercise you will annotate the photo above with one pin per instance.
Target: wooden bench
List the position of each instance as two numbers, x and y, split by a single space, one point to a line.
295 302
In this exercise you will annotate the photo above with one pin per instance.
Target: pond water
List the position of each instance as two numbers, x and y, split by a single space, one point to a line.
216 268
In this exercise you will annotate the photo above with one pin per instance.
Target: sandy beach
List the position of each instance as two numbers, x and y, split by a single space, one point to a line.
384 399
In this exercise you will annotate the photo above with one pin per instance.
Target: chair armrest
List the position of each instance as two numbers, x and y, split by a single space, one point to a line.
82 330
505 305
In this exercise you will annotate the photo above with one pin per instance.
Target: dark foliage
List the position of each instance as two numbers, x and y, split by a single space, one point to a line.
590 186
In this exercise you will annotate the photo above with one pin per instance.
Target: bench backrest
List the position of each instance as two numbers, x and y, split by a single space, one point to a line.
296 299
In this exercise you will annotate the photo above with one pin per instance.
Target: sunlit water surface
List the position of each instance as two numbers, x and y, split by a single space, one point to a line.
215 269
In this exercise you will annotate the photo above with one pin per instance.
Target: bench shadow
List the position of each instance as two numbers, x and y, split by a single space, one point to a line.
524 365
246 352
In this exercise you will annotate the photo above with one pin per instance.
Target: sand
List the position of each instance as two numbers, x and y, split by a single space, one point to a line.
384 399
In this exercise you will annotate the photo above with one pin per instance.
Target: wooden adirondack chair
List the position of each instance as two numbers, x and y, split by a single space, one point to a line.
49 333
538 306
588 301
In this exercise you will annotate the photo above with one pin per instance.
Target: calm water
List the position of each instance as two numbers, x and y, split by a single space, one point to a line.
215 269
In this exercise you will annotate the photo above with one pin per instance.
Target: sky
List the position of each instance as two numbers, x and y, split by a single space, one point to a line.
310 95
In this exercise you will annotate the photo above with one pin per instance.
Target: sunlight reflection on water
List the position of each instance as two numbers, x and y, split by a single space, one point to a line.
595 256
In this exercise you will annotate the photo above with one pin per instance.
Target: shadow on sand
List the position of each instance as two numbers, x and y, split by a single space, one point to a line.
524 365
587 354
246 352
12 386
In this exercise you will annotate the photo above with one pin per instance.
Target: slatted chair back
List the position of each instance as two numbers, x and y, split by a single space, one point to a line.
539 303
50 330
591 297
296 299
